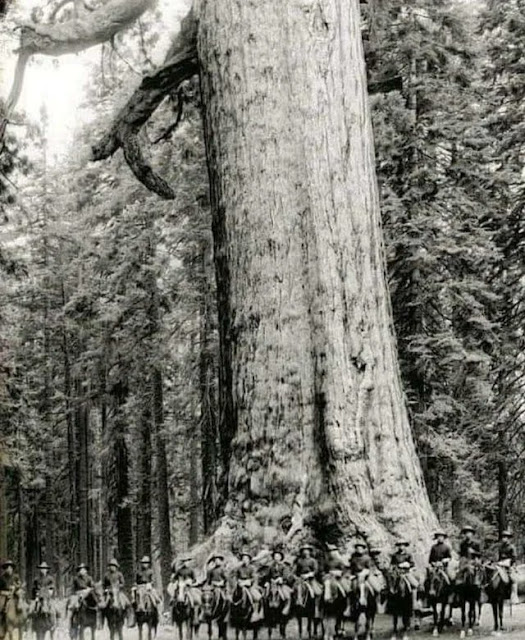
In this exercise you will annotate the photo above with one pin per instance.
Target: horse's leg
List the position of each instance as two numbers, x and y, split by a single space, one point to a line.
435 631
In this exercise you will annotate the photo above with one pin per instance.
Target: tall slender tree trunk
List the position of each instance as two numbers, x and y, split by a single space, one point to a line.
123 498
163 503
82 437
208 412
144 502
309 366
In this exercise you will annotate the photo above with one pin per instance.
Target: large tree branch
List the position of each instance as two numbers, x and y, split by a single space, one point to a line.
82 32
181 63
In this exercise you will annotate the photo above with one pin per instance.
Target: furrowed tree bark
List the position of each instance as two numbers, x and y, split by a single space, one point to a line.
309 363
82 437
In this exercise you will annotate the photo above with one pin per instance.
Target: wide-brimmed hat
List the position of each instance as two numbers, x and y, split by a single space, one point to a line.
113 563
440 533
43 565
278 551
305 546
466 528
360 543
216 556
7 563
506 534
246 553
374 551
82 565
332 547
145 560
402 543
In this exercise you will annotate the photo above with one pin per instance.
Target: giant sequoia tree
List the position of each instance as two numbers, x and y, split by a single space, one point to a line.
313 421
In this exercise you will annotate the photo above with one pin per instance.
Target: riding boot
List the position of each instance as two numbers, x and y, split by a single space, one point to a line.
514 599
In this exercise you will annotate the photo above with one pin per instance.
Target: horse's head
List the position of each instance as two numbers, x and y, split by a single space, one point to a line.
437 578
274 593
181 591
207 601
473 573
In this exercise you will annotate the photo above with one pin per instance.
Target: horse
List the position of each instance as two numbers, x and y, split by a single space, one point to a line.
183 610
15 616
242 610
146 610
115 612
497 588
468 590
438 591
400 601
44 616
306 604
364 611
275 608
214 607
334 604
86 614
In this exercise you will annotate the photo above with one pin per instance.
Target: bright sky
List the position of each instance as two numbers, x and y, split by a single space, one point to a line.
58 84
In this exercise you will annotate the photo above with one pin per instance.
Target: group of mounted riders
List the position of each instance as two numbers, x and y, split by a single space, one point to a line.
270 588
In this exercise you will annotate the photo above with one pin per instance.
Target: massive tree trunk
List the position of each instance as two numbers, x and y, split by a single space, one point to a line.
309 364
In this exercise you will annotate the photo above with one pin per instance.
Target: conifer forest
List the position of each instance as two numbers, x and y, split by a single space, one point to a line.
271 288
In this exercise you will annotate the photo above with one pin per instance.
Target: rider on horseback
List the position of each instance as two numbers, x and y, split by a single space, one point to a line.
403 559
507 561
216 574
307 569
246 576
360 565
10 586
144 587
440 554
44 589
180 570
113 579
469 550
82 585
279 572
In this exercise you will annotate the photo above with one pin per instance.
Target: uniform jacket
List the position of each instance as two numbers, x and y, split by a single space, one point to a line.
359 562
82 582
466 548
401 556
440 551
113 579
42 582
507 551
144 576
306 565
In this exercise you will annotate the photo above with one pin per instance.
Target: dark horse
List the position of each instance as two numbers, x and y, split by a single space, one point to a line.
44 616
400 600
439 591
468 590
146 611
242 611
275 608
334 603
183 609
497 589
115 612
364 611
214 608
85 616
306 604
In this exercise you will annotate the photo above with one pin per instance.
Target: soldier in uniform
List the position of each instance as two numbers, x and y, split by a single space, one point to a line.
246 576
43 590
469 549
307 568
360 564
216 573
10 586
181 570
507 560
403 559
440 550
113 579
144 586
82 584
335 568
279 572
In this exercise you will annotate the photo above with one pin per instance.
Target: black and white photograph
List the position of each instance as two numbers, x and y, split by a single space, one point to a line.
262 319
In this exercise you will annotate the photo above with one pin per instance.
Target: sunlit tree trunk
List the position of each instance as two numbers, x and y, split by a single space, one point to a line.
312 409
